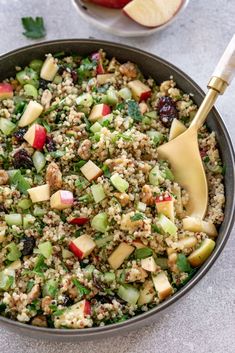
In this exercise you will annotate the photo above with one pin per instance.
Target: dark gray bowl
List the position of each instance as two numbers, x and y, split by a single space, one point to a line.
160 70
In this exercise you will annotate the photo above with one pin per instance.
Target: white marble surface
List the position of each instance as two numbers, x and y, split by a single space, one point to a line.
204 321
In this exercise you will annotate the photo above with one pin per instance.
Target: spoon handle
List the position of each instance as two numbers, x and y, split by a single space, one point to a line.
221 78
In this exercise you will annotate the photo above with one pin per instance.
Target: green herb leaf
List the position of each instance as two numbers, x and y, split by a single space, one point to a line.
156 229
82 290
34 28
143 253
85 69
183 264
137 217
106 171
79 165
30 285
134 111
20 182
40 265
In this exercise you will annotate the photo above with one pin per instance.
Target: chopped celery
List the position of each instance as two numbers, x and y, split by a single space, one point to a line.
106 120
38 212
30 91
39 161
19 181
155 136
58 79
109 277
125 93
141 206
85 100
167 225
88 271
128 293
100 222
96 127
146 120
101 241
50 288
151 115
13 219
167 174
155 176
28 220
36 65
25 204
7 278
98 192
6 126
119 183
45 249
14 253
112 98
28 76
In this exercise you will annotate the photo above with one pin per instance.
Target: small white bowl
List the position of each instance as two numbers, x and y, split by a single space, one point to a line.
117 23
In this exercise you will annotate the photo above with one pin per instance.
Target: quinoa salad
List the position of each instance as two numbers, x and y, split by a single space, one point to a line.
93 226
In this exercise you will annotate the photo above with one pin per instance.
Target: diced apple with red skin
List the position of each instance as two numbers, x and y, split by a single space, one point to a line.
49 69
162 285
140 91
39 193
197 225
99 111
118 256
31 113
152 13
177 128
72 316
149 264
36 136
82 246
165 205
6 91
114 4
146 293
80 221
61 200
98 57
91 171
199 256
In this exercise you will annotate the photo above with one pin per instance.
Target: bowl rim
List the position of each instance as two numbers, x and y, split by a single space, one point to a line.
143 32
117 328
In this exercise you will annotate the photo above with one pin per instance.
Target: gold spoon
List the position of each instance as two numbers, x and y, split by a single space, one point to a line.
183 151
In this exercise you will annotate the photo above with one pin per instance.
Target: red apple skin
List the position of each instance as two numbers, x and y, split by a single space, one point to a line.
87 308
145 95
77 252
106 110
97 57
66 197
6 91
165 198
80 221
39 137
100 69
114 4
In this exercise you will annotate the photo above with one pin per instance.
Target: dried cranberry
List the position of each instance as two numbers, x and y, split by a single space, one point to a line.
74 76
50 144
28 245
67 301
61 69
43 83
167 110
22 159
19 134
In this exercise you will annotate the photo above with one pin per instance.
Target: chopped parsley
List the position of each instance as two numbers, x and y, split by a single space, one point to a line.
143 253
34 28
183 264
137 217
133 110
82 290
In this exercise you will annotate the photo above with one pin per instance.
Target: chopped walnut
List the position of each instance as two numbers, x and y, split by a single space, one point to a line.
3 177
123 198
34 293
54 176
84 150
129 70
46 302
147 195
46 98
40 321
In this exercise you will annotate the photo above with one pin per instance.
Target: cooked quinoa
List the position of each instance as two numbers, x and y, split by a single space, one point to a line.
93 226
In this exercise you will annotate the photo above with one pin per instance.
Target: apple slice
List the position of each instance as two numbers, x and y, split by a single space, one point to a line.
162 285
99 111
36 136
31 113
114 4
61 200
149 264
91 171
140 91
82 246
119 255
165 205
6 91
200 255
39 193
152 13
146 293
102 79
49 69
197 225
177 128
74 315
98 58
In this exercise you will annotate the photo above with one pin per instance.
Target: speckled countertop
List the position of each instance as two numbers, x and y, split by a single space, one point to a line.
204 321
